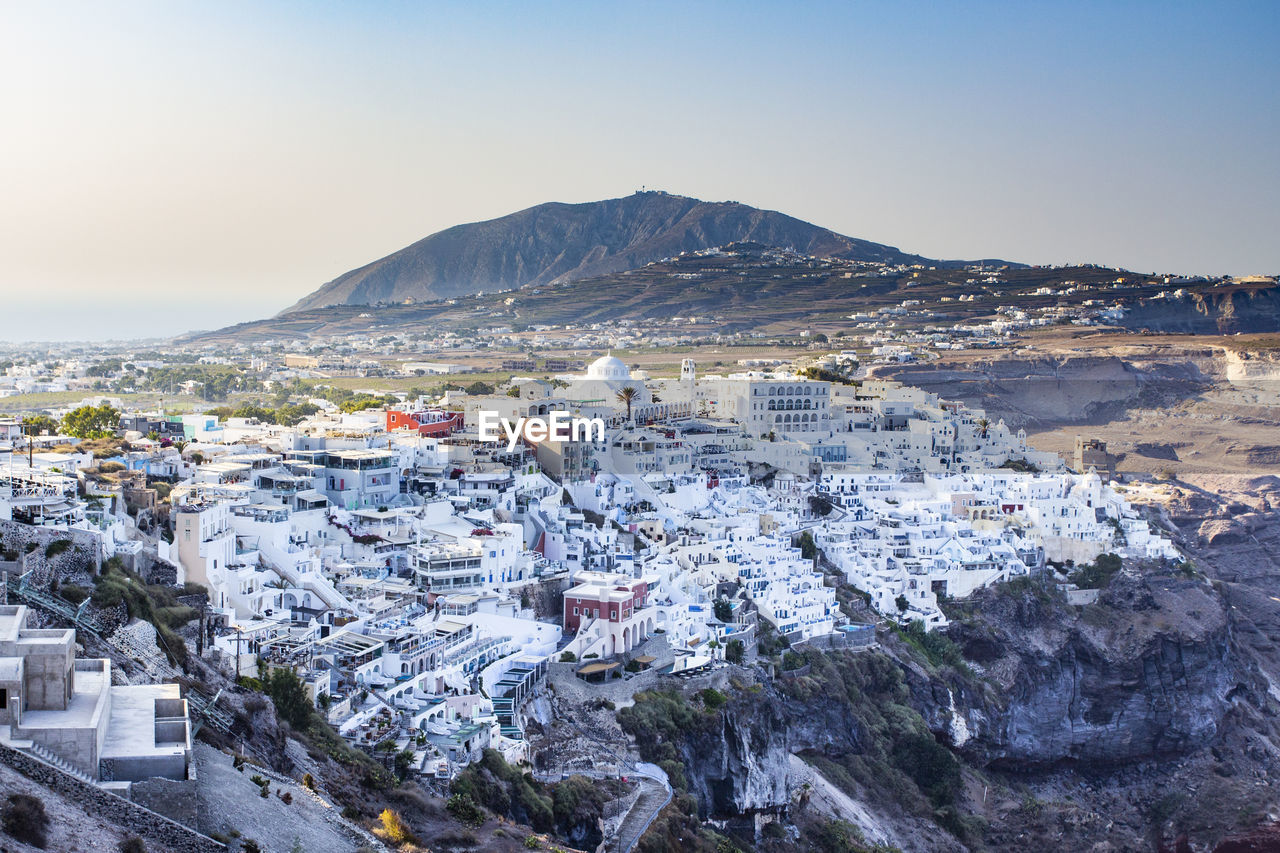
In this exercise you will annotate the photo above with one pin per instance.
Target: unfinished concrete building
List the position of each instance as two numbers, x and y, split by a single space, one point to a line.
66 711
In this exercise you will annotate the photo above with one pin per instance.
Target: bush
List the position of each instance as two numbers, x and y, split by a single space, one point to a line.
713 699
248 845
56 547
568 657
290 697
25 819
1098 574
73 593
395 828
723 610
462 807
133 844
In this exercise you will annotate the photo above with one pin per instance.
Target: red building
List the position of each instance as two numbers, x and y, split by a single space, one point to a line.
432 422
615 598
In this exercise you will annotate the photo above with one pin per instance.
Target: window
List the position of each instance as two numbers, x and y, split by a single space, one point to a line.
575 611
4 697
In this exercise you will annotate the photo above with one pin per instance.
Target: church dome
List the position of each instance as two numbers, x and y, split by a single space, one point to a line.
608 367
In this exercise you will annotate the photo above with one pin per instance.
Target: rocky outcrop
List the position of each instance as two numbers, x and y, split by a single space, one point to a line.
739 763
1063 388
1147 672
1224 310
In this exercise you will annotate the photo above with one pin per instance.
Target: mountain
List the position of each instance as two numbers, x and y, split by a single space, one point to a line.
555 243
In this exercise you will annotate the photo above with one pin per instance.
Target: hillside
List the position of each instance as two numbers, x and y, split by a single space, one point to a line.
753 287
556 243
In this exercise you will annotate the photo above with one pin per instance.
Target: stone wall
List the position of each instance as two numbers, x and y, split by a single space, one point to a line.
176 800
157 829
86 556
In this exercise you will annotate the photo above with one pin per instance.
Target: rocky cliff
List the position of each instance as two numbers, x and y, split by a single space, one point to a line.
1226 311
1072 387
1147 672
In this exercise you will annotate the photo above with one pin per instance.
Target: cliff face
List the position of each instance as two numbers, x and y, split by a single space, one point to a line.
1067 388
739 765
1147 672
1226 311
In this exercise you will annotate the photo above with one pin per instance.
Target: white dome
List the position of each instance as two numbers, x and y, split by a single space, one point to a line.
608 367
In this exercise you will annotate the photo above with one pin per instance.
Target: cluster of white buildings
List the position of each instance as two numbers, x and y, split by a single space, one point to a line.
402 569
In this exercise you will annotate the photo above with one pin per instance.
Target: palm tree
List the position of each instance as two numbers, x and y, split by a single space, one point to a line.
983 423
627 395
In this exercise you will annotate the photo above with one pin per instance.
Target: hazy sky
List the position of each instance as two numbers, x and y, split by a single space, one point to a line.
168 166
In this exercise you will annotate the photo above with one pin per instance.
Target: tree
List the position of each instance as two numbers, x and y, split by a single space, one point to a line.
808 548
984 425
290 698
819 338
723 610
902 603
627 395
734 651
39 425
403 762
91 422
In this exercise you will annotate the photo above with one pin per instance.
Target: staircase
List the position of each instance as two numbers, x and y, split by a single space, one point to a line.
65 766
653 799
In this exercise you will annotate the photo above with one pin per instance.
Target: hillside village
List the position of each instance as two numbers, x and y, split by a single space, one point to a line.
423 584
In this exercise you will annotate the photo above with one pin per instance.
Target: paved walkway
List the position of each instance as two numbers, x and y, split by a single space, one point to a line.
654 796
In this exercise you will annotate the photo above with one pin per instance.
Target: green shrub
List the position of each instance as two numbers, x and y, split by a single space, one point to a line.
462 807
735 651
73 593
56 547
133 844
568 657
713 699
1098 574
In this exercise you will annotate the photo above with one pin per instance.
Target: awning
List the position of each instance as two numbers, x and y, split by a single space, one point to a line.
596 667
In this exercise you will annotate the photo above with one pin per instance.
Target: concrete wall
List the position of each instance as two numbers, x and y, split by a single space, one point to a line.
159 831
1061 548
138 768
175 800
49 667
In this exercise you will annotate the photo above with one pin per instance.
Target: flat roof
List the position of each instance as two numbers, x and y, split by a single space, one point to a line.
597 667
132 728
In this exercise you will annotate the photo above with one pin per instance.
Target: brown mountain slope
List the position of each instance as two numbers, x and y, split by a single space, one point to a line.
564 242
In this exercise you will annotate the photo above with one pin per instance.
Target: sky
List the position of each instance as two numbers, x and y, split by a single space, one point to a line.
169 166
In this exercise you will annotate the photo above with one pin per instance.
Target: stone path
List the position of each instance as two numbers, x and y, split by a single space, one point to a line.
653 798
